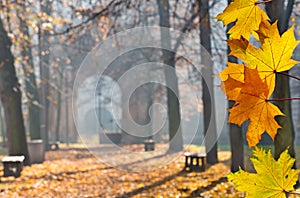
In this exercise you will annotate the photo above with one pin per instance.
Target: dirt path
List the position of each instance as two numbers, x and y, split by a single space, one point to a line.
77 173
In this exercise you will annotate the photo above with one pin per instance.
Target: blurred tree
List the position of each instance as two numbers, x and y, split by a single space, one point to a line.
59 79
210 125
44 58
2 127
168 57
11 99
29 72
281 10
235 132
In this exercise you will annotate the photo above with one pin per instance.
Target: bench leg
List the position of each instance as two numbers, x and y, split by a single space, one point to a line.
203 164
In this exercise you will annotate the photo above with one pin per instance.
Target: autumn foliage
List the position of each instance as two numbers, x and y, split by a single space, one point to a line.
251 85
273 178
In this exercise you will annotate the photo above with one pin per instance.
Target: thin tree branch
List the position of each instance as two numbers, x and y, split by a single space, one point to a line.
292 193
288 75
102 12
281 99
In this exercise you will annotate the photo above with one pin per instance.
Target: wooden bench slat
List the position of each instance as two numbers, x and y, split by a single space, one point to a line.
13 159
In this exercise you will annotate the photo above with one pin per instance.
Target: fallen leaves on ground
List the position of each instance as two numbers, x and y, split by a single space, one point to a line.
76 173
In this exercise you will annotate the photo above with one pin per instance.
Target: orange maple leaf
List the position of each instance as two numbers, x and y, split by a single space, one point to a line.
235 73
274 55
247 15
238 47
252 104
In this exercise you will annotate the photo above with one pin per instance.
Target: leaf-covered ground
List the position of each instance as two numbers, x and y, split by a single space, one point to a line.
77 173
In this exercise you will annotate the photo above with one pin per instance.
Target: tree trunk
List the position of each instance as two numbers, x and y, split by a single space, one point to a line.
2 127
44 51
175 133
235 132
210 127
30 80
236 144
11 100
149 100
286 135
58 112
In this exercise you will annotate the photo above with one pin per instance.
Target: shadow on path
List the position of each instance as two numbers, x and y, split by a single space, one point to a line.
197 192
144 188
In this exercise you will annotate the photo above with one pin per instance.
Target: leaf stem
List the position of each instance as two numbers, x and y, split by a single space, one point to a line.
281 99
292 193
262 2
288 75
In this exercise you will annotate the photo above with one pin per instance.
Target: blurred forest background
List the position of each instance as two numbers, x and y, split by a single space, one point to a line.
42 46
50 38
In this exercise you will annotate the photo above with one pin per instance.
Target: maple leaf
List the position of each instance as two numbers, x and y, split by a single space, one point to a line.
238 47
266 30
252 104
273 178
274 55
233 75
235 71
247 15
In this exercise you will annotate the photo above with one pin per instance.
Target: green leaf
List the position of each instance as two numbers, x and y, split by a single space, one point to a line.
273 178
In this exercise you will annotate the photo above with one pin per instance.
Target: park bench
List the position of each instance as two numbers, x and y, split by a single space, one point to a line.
149 145
53 146
13 165
192 161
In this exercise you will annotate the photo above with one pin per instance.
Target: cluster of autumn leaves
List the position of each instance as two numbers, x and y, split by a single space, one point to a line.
252 83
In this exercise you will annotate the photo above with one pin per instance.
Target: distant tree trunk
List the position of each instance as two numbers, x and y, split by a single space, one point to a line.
286 135
148 116
30 80
2 127
207 84
140 104
175 133
58 111
11 99
44 51
235 132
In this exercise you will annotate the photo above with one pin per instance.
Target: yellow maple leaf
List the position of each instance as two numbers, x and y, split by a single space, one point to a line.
247 15
266 30
238 47
274 55
235 71
273 178
252 104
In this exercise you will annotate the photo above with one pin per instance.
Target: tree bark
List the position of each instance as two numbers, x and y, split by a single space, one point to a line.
11 99
236 145
2 127
30 80
207 84
286 135
58 110
168 57
44 51
235 132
